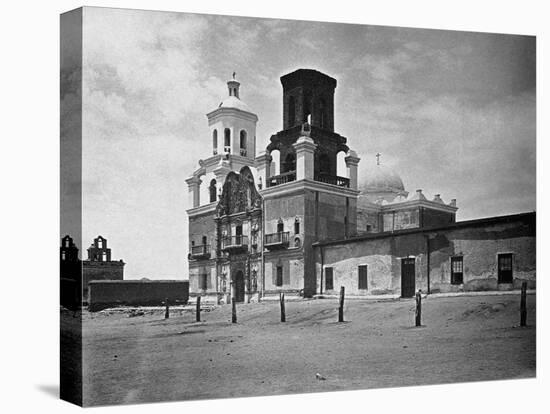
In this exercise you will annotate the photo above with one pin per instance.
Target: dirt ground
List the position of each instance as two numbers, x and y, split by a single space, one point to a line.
146 358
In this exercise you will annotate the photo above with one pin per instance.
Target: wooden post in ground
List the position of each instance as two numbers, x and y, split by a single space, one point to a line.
418 311
233 305
282 301
523 305
167 312
198 309
341 307
233 311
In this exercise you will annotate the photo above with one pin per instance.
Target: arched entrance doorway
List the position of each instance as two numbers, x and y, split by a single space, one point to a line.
238 285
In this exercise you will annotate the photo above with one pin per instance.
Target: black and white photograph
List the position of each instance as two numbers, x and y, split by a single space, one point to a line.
276 205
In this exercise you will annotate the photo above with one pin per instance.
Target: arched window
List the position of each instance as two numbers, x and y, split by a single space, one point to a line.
291 111
212 190
242 143
280 226
204 240
341 167
215 141
324 164
275 165
290 163
227 140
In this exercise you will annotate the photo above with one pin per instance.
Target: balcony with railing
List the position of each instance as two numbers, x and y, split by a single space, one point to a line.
332 179
277 240
235 243
200 252
281 178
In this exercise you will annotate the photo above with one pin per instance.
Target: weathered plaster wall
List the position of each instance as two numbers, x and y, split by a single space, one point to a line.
207 267
478 244
345 259
332 213
287 209
203 225
367 218
293 271
479 248
401 219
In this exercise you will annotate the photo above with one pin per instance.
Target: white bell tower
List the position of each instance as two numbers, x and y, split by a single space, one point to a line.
233 128
232 143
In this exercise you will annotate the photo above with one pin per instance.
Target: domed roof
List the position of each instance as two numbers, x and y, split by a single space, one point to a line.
234 102
380 178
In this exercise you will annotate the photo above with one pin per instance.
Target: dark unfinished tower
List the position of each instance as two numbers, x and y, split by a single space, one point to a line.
306 201
308 93
308 105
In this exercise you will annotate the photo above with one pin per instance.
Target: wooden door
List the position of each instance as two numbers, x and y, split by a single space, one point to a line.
407 278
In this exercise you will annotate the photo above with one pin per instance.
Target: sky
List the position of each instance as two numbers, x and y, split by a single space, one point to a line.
452 113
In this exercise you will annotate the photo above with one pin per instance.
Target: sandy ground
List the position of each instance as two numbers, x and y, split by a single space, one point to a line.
147 358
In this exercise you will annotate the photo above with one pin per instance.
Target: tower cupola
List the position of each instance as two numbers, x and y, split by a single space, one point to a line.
233 87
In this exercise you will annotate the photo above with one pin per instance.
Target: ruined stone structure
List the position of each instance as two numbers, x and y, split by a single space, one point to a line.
284 221
75 274
99 265
70 271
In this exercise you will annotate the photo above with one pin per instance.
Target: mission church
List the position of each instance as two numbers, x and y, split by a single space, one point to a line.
285 221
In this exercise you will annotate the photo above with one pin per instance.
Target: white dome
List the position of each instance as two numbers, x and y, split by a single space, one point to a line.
380 178
234 102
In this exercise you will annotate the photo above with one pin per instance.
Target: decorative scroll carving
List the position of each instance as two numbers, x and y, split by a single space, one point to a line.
239 193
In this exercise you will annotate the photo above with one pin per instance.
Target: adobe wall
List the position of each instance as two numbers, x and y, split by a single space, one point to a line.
100 271
478 244
104 294
288 208
479 248
292 263
401 219
366 218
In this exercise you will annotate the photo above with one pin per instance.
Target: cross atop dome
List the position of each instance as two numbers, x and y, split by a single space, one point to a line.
378 158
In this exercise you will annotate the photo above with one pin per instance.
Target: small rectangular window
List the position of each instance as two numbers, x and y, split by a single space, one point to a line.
329 278
204 281
363 281
457 273
505 270
296 227
279 281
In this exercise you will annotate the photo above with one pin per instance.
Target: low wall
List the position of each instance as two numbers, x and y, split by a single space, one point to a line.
477 242
110 293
